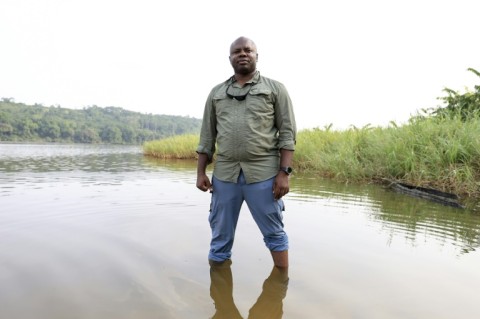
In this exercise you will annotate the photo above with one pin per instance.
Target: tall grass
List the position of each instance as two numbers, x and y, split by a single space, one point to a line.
441 153
175 147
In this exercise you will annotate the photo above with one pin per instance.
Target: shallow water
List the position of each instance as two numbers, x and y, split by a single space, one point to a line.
103 232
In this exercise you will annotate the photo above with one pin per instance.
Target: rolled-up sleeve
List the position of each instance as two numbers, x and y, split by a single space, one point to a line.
285 120
208 133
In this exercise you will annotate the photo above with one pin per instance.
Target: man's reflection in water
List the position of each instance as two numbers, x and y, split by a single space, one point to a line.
269 304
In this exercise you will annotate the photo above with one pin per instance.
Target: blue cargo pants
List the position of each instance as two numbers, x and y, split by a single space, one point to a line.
227 200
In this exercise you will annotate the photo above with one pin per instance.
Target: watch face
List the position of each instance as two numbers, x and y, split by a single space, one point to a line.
289 170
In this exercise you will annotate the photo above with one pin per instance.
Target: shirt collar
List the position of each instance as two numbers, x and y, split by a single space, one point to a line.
255 78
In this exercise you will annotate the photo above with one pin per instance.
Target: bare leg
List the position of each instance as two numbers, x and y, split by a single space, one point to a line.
280 258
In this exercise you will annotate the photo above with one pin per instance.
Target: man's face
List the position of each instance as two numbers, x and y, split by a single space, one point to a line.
243 56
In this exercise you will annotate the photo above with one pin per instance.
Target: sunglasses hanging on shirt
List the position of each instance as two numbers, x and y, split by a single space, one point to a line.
238 97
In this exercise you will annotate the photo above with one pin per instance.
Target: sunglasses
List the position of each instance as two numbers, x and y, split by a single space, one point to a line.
238 97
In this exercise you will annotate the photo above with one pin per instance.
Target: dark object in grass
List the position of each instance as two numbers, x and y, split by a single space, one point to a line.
433 195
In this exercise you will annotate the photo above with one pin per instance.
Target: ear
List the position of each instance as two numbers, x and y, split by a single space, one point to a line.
257 57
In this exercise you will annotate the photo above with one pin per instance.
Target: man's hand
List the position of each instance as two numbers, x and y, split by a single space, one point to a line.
203 183
280 185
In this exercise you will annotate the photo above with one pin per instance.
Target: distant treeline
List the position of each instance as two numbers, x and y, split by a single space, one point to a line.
37 123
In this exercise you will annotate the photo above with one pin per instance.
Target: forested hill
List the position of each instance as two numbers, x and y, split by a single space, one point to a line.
36 123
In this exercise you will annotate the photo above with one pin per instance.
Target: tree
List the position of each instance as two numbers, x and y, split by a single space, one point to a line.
93 124
466 105
5 129
111 134
86 135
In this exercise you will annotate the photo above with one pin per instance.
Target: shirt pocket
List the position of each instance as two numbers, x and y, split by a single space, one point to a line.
260 107
223 105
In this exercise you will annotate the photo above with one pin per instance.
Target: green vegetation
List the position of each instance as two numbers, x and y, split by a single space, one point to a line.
438 148
429 152
177 147
464 106
36 123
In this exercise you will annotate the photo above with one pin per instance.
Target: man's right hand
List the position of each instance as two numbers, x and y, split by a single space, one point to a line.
203 183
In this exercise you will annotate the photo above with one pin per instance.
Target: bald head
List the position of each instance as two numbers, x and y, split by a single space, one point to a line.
243 41
243 56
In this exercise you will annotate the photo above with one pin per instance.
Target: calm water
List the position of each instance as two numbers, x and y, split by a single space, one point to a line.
102 232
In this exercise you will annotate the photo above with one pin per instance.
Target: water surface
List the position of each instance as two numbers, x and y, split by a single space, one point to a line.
103 232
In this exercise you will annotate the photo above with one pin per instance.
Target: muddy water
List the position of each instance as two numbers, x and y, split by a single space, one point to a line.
102 232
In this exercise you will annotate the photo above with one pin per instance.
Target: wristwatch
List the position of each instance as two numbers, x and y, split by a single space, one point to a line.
287 169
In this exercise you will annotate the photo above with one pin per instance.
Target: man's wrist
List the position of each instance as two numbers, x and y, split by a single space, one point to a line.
286 169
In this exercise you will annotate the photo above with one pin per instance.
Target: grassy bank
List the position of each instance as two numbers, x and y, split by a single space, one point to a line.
430 152
178 147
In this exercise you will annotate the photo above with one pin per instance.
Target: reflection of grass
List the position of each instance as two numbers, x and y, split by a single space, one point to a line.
183 165
399 215
420 219
432 152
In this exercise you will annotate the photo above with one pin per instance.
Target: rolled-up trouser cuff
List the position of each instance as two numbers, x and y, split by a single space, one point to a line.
219 256
277 242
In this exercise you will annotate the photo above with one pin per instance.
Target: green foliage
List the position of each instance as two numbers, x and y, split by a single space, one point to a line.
35 123
438 148
177 147
464 106
443 153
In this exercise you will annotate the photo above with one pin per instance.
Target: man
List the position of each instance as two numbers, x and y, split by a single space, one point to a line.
250 119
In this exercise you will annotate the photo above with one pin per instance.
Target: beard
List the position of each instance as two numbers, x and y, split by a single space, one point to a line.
244 69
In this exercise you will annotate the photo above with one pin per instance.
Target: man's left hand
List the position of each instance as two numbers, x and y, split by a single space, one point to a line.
280 185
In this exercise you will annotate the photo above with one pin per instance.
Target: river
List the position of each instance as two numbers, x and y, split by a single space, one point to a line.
95 231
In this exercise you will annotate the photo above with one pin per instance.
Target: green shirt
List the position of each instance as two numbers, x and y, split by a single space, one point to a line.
248 134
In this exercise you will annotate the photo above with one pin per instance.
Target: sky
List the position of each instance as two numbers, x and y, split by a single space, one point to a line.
345 62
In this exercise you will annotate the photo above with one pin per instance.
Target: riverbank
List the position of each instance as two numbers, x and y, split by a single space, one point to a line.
439 153
443 154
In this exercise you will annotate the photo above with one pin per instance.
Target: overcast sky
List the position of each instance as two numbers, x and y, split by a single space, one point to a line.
345 62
